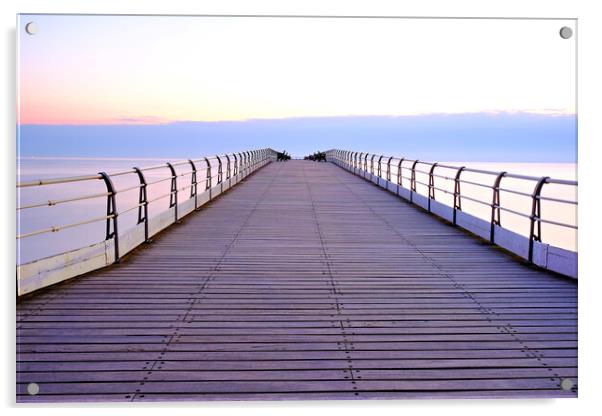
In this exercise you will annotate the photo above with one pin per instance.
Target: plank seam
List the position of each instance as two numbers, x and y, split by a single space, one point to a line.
347 345
507 328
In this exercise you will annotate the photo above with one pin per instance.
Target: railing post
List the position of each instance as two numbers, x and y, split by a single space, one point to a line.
111 214
173 196
413 180
228 170
235 172
389 169
354 161
536 215
143 204
431 185
364 164
220 173
379 170
372 166
359 166
400 174
457 195
208 177
193 183
495 207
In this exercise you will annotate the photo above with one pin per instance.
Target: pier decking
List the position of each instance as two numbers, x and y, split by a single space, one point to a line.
303 282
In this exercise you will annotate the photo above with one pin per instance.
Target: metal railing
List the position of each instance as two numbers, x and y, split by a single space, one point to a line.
406 169
234 164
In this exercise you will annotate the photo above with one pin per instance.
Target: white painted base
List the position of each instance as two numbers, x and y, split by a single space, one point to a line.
545 256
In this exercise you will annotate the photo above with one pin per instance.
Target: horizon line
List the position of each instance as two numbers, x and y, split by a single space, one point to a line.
183 158
158 121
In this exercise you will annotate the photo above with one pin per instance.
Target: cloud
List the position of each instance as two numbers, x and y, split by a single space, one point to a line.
139 120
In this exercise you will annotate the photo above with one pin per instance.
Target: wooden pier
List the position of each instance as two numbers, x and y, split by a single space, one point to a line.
303 282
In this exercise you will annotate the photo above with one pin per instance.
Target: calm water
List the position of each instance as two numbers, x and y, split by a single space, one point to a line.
45 245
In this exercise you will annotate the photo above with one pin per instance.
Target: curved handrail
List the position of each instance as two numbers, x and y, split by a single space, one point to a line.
429 169
143 185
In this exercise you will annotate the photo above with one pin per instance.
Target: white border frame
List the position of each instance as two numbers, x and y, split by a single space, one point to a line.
590 132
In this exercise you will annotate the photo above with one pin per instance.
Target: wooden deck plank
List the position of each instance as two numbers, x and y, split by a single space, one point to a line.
305 282
525 362
299 374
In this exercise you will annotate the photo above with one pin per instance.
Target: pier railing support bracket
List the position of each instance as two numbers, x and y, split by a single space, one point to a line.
111 232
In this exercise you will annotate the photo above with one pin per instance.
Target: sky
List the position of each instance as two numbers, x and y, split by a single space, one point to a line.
409 85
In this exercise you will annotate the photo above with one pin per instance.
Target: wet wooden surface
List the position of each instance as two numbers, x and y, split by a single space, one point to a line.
304 282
